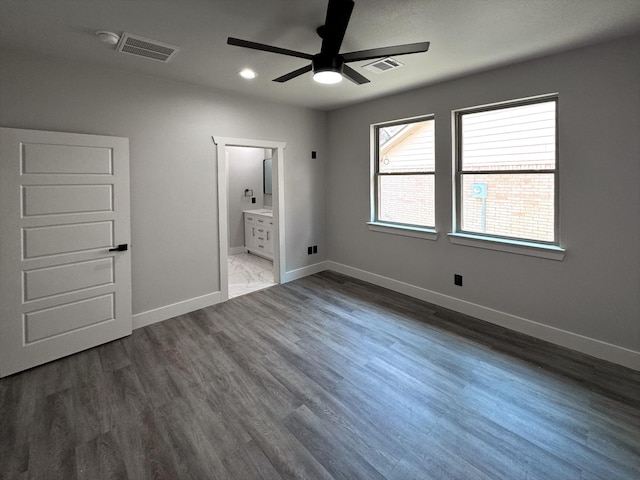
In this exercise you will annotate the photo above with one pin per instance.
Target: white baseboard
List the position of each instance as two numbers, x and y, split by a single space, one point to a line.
237 250
303 272
596 348
180 308
590 346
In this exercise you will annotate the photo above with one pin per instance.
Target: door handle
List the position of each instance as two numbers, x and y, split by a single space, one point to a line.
123 247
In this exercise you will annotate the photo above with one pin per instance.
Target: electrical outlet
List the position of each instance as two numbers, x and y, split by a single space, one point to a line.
313 154
309 250
457 279
315 249
253 199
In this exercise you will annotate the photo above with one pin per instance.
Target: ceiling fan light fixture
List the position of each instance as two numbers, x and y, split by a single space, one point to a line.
329 66
327 77
327 69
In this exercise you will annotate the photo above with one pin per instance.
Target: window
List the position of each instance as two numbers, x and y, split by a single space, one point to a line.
507 171
404 173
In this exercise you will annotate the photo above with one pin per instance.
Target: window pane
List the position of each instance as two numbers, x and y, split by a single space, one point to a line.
509 205
406 199
407 148
513 138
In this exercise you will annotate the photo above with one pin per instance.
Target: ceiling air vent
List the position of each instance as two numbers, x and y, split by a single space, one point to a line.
143 47
384 65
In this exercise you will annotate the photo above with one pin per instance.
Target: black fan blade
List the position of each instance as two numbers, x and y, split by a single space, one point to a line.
386 52
294 74
267 48
335 25
354 76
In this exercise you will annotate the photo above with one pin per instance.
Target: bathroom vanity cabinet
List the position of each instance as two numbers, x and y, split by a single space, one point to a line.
258 232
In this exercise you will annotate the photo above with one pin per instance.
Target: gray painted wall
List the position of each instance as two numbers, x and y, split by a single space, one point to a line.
245 171
595 291
174 207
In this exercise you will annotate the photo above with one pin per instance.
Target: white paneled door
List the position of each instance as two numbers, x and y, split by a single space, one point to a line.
65 265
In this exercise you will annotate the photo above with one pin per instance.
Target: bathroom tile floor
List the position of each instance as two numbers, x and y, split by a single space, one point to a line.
248 273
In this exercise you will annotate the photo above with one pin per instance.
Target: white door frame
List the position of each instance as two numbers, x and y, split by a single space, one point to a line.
278 204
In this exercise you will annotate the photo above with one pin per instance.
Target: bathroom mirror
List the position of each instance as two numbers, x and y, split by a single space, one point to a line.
266 176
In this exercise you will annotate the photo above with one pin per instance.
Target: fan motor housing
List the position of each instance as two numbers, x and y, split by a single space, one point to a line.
323 62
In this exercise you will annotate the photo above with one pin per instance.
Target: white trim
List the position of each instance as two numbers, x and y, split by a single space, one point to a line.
247 142
304 272
237 250
591 346
223 219
277 201
186 306
511 103
405 231
180 308
551 252
574 341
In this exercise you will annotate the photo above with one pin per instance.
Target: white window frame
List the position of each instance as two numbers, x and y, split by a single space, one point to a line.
418 231
525 246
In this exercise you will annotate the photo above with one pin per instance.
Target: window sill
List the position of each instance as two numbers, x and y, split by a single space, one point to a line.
511 246
406 231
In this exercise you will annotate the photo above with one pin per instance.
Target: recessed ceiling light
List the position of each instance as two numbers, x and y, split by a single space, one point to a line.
109 38
247 73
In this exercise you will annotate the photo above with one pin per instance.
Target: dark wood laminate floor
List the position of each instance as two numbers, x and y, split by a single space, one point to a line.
322 378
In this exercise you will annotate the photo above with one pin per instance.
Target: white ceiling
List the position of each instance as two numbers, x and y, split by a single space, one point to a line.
466 36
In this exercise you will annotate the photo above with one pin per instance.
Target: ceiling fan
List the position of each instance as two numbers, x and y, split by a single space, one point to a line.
329 66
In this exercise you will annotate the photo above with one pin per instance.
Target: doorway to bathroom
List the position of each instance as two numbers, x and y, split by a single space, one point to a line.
250 217
251 214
